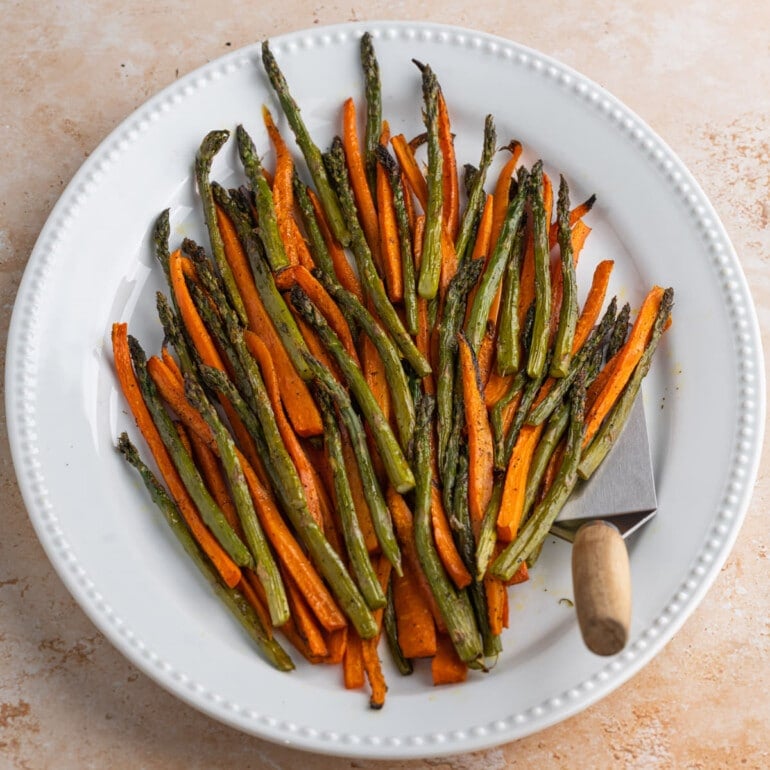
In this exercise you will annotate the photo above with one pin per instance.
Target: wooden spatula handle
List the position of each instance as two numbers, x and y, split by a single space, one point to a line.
601 581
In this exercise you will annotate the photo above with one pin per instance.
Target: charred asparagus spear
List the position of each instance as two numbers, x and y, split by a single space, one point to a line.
538 349
231 597
568 313
430 266
454 605
366 577
266 567
263 200
393 459
373 90
476 192
212 143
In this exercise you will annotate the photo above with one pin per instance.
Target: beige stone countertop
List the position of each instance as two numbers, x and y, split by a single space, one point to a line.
697 71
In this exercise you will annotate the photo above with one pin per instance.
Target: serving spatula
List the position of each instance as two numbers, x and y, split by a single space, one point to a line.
617 500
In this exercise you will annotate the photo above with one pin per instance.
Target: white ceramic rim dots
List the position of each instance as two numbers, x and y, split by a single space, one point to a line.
21 380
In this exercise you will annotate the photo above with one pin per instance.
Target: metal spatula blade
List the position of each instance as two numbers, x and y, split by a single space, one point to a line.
621 491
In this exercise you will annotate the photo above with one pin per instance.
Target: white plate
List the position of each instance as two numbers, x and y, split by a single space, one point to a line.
92 265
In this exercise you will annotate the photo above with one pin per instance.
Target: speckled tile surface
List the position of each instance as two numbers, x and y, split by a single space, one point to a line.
697 72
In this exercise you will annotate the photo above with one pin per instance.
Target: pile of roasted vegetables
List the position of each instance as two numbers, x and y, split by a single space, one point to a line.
352 446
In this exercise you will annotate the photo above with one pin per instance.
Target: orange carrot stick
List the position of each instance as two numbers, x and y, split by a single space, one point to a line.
520 576
449 180
514 487
480 438
410 169
283 191
303 412
359 499
627 359
414 621
215 480
389 246
353 662
336 642
445 544
503 188
303 278
593 304
257 600
446 666
404 526
171 363
361 191
291 555
574 216
497 601
224 565
373 669
178 266
304 621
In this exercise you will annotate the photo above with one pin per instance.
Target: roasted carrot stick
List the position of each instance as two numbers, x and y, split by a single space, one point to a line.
212 474
593 304
520 576
410 169
257 599
291 555
404 526
336 642
178 267
304 620
449 180
302 277
445 544
373 669
627 358
361 191
446 666
416 629
171 363
359 499
503 188
480 438
514 487
224 565
497 601
353 662
303 412
574 216
389 246
283 190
